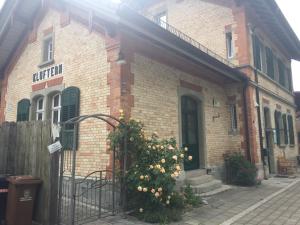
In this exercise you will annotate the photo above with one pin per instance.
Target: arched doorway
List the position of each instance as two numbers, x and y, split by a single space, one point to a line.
191 123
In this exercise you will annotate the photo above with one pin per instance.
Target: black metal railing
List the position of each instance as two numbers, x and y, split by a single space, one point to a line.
189 40
97 196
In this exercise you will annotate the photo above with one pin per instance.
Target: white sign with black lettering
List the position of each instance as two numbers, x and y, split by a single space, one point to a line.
26 196
55 147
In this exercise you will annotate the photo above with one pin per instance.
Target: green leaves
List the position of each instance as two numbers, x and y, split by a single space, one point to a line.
155 166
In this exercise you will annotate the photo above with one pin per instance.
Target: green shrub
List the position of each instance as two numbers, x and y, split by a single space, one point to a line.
151 176
190 199
240 170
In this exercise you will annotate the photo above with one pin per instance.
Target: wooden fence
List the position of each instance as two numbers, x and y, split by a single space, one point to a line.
23 151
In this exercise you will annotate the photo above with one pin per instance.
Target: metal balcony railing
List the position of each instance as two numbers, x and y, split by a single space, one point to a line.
190 40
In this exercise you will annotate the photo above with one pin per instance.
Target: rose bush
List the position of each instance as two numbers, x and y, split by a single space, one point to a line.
151 177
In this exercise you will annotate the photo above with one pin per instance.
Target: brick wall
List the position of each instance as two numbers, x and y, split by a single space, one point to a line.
204 21
83 54
156 92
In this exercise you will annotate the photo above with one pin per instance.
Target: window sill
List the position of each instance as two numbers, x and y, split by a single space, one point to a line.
292 146
263 74
47 63
233 132
281 146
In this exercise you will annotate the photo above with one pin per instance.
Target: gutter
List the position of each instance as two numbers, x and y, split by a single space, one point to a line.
247 134
273 94
258 109
129 18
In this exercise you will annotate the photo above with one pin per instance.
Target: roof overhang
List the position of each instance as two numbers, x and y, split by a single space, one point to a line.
121 16
16 19
272 18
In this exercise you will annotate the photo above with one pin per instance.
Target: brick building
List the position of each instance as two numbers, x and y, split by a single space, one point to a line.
256 38
62 58
297 100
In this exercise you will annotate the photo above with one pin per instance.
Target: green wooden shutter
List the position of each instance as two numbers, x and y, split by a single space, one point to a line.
291 130
289 78
256 52
277 126
23 110
270 63
281 70
284 120
69 109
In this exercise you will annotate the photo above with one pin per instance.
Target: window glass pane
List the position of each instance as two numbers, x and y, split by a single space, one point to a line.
56 101
229 44
39 116
233 115
40 104
48 49
55 117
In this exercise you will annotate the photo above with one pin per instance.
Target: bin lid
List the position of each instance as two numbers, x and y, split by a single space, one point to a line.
24 179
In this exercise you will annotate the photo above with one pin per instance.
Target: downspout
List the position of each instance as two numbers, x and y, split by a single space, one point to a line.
259 118
247 134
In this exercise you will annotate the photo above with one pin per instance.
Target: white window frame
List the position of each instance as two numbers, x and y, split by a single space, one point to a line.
56 108
229 45
48 49
40 111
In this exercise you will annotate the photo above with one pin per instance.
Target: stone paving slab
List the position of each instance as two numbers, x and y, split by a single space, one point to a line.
224 206
284 209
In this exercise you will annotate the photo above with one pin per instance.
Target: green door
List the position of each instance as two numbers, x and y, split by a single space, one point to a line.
190 131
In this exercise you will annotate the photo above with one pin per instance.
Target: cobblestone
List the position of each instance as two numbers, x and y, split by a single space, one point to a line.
283 208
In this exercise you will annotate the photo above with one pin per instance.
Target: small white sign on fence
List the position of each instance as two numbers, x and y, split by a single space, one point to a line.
55 147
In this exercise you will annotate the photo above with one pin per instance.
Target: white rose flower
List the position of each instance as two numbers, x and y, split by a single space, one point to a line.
145 189
163 161
190 157
174 157
167 202
171 147
156 194
141 210
140 188
160 189
142 177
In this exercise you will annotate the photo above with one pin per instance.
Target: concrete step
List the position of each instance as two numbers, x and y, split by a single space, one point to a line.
199 180
196 173
206 187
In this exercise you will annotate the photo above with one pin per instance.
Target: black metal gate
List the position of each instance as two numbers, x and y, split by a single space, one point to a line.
96 195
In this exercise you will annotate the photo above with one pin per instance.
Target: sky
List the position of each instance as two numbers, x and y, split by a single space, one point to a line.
290 9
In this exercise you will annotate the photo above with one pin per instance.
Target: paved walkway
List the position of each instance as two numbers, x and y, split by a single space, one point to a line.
276 201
